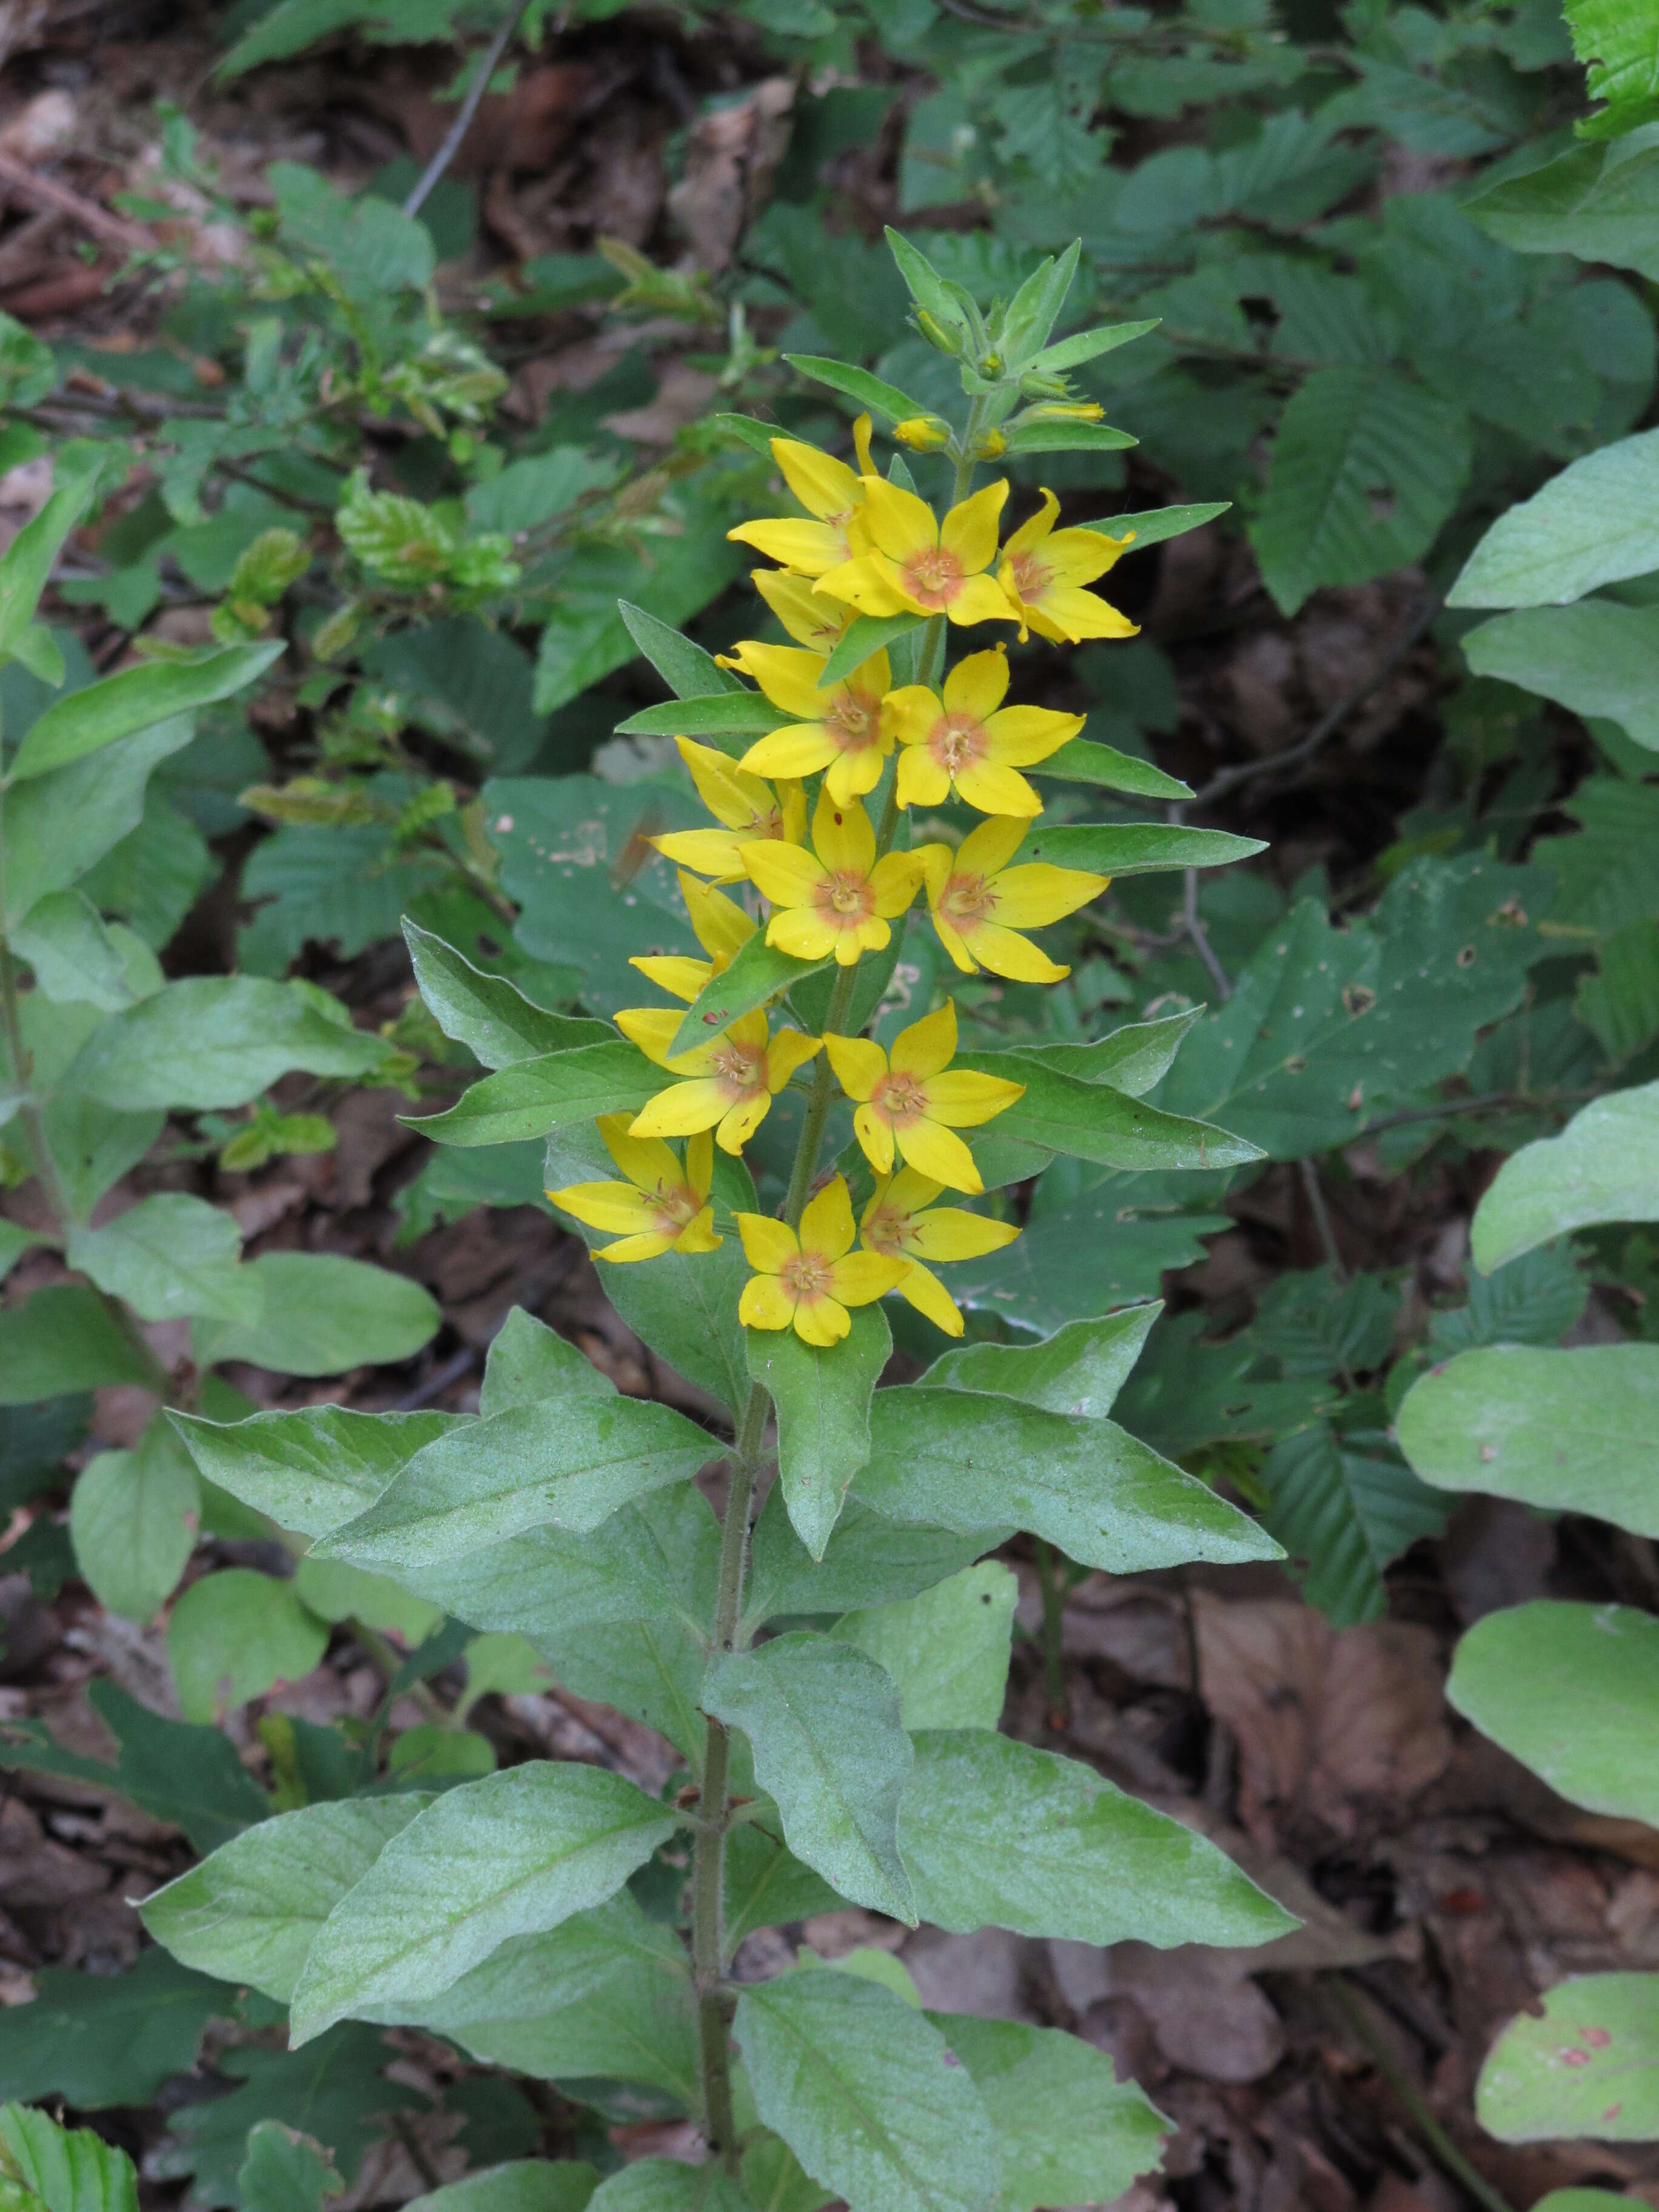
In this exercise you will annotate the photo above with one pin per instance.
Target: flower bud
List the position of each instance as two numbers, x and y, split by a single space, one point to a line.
1075 410
923 433
992 365
1035 385
990 446
937 333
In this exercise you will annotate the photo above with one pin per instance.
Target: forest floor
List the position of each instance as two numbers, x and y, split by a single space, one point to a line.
1441 1886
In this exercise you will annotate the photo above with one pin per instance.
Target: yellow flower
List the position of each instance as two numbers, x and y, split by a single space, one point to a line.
913 1100
1043 569
913 564
729 1083
970 739
830 492
895 1223
810 619
923 433
747 808
662 1207
722 929
811 1280
839 897
844 729
979 904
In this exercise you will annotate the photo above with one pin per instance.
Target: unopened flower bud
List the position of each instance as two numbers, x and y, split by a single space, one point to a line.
1075 410
990 446
992 365
1035 385
937 333
923 433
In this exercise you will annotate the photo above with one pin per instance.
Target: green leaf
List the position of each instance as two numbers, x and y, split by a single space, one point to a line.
1313 1323
758 975
1069 2131
1089 345
1365 469
1595 201
169 1257
95 2040
529 1364
487 1013
923 282
65 1337
137 699
947 1649
321 1313
1343 1515
29 558
1082 761
1000 1834
821 1398
1511 1420
963 1461
1090 1120
566 1464
1535 1299
1604 1166
823 1723
57 826
215 1040
529 2184
867 2094
285 2172
1131 1060
372 246
1159 523
62 2169
684 1306
235 1634
723 715
310 1468
251 1910
767 1887
76 959
1594 524
511 1855
1586 2064
1067 438
133 1520
685 668
668 2184
869 1560
652 1670
863 635
858 386
1134 848
1614 39
1079 1369
535 1096
1595 657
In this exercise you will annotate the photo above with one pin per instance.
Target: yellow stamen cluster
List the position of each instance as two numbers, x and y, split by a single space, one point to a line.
830 890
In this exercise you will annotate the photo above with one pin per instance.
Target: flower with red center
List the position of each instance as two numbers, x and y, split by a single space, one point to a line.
728 1084
842 728
1043 570
662 1207
838 898
896 1222
979 904
747 808
969 740
913 1100
906 561
832 494
809 1280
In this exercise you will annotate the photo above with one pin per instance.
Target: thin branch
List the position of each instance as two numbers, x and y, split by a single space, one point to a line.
462 123
17 177
1230 779
1200 937
1321 1214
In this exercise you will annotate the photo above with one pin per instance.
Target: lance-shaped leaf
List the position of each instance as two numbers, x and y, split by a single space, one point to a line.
823 1723
59 825
868 2095
213 1041
1131 1059
1081 760
684 1306
29 557
1089 345
252 1911
528 1362
858 385
650 1670
522 2184
767 1886
1594 524
509 1855
534 1096
758 974
1575 1430
1134 848
863 635
136 698
724 714
1079 1369
1069 2132
964 1461
1586 2064
1158 523
999 1834
685 668
170 1256
563 1465
947 1651
1093 1121
312 1468
1604 1166
487 1013
1572 1691
1031 314
869 1560
822 1395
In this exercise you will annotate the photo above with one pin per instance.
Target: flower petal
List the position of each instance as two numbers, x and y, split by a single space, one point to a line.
870 583
698 1234
988 849
1022 736
940 1153
994 789
788 1050
787 675
978 684
1082 557
1039 892
962 1098
910 1191
803 933
922 1289
901 525
765 1303
875 1136
808 547
826 1221
798 749
872 936
823 485
895 879
722 926
700 1163
734 1130
674 971
926 1046
812 622
613 1205
1033 532
863 1277
859 1064
650 1246
910 713
841 836
951 1233
1077 614
954 944
769 1245
731 796
1006 953
646 1160
969 530
982 599
789 875
682 1109
921 780
849 775
821 1321
652 1028
716 853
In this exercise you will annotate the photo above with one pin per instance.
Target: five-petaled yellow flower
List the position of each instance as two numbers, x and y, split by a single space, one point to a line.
748 809
728 1084
842 728
904 560
838 898
979 904
913 1099
811 1280
662 1207
722 929
1043 570
896 1222
809 618
830 492
970 739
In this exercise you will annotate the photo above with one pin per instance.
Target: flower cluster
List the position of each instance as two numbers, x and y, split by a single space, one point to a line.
831 883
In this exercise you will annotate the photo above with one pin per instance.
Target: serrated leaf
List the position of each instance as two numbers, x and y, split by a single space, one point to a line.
1587 2063
1535 1299
947 1649
47 2168
1344 1516
821 1398
1596 201
1614 39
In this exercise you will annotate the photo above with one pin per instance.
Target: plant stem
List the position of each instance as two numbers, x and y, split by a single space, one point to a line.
462 123
1054 1608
